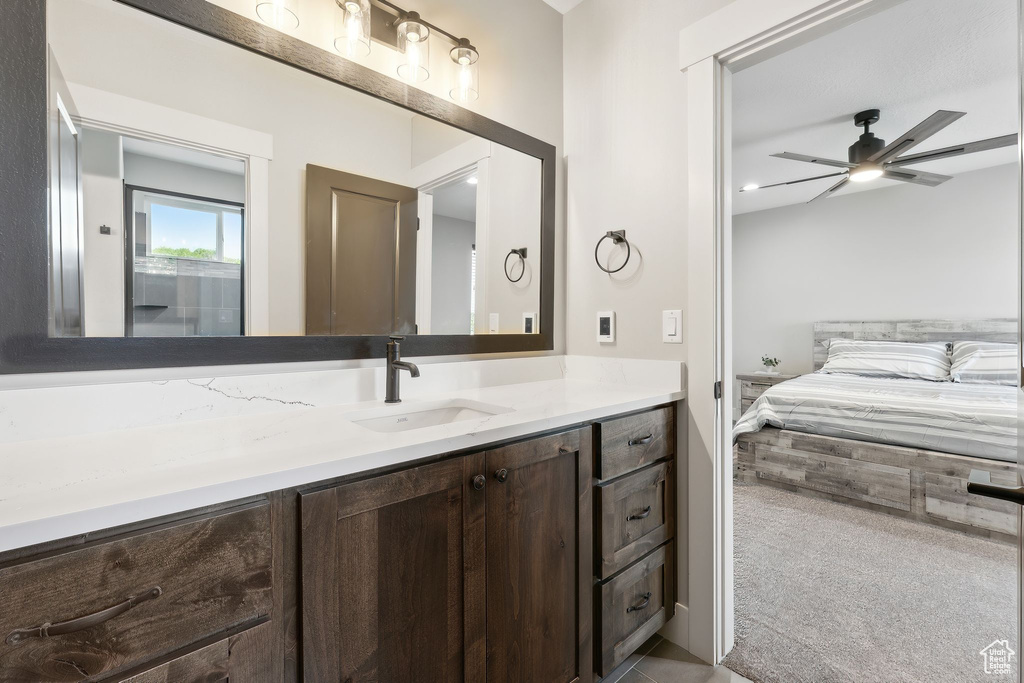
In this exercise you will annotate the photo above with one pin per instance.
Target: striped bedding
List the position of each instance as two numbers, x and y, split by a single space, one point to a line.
968 419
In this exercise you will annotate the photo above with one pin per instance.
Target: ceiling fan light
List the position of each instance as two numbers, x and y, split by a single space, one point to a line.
865 172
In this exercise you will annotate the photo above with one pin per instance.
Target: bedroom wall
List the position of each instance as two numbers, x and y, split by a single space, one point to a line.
898 252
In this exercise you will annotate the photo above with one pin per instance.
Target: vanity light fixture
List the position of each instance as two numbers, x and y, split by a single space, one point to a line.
352 28
413 40
467 73
282 15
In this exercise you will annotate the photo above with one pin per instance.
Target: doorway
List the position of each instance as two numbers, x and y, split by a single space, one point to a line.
743 35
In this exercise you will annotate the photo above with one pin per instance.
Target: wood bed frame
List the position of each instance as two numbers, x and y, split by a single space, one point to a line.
928 486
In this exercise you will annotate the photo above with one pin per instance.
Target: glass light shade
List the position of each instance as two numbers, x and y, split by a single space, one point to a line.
280 14
414 43
865 172
466 86
352 28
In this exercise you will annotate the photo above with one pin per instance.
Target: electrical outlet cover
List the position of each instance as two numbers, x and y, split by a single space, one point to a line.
606 327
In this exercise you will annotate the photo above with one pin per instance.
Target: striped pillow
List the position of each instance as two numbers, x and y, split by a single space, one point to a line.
905 360
984 363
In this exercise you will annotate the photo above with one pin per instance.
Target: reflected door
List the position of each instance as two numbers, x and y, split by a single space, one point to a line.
360 255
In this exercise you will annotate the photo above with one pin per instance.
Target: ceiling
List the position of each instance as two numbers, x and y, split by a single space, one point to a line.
182 155
908 61
456 200
563 6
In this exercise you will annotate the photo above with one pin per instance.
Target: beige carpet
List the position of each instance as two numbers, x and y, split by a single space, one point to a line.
828 592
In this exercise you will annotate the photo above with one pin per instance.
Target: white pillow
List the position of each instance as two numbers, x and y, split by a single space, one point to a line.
984 363
927 360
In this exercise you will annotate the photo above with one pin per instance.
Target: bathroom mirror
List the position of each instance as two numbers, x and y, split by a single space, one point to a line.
216 194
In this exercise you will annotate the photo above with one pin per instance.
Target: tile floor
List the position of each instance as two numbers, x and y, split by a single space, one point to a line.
659 661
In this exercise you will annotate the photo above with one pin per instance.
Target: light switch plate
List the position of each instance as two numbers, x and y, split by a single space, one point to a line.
529 323
672 327
606 327
493 323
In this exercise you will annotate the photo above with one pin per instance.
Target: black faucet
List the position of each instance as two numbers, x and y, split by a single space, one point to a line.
395 364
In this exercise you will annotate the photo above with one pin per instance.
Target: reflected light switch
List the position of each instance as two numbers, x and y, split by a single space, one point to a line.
672 327
493 324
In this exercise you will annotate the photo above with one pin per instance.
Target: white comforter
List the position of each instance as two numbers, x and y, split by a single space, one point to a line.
969 419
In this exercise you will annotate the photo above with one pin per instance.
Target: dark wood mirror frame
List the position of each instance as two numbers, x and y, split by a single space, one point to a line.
25 345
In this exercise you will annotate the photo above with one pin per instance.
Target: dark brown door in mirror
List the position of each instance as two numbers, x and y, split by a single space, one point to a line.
360 254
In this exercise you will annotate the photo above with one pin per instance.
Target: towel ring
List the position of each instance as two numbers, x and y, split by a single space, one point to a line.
617 237
521 253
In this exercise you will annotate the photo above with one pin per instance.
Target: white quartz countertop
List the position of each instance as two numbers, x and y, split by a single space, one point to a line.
56 487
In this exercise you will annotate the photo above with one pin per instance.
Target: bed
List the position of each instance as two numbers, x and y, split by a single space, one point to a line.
901 446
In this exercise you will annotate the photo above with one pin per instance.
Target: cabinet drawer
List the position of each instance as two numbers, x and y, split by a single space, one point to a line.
114 605
628 443
751 390
634 605
634 516
241 658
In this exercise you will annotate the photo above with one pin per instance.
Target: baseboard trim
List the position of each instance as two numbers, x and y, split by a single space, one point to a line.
677 630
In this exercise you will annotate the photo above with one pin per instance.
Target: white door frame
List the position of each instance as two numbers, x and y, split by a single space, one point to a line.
123 115
735 37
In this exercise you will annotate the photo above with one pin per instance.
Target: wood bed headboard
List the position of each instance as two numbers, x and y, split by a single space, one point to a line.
992 329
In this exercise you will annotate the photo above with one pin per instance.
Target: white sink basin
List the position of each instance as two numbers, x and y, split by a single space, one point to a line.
402 417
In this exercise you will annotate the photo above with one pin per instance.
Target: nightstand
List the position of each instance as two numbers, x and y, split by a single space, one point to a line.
752 386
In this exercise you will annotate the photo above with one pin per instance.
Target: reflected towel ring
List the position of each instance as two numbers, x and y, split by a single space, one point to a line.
618 237
521 253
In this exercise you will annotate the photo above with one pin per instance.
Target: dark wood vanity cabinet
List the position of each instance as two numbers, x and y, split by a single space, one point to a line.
470 569
536 561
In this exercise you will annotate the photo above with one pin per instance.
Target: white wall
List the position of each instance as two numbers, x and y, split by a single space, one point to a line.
625 143
163 174
898 252
103 274
452 247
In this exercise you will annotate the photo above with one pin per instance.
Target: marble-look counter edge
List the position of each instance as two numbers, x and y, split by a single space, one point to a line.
42 529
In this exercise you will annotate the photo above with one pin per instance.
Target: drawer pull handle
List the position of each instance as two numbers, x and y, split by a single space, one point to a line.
81 623
501 475
640 605
640 515
642 441
478 482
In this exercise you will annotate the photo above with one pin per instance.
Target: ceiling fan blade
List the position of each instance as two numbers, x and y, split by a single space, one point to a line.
916 135
832 190
794 182
907 175
956 150
813 160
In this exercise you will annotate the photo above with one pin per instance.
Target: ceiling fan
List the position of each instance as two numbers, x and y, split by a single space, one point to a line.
871 158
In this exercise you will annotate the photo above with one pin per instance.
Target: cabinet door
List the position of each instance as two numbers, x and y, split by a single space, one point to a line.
539 560
393 577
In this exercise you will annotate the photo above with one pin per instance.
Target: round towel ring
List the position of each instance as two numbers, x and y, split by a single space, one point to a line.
617 237
521 253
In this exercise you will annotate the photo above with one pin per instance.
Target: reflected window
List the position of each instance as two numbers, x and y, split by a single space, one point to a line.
186 266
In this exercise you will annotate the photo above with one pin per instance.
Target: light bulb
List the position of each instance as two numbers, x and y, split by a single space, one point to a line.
414 41
352 28
865 172
465 85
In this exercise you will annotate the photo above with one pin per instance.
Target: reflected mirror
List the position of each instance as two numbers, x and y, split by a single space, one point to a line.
198 189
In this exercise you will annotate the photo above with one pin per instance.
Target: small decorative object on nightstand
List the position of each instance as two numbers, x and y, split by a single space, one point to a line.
771 366
753 385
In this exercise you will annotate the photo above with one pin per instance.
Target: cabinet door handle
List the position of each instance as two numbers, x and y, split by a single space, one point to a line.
640 515
640 605
501 475
643 440
81 623
478 482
